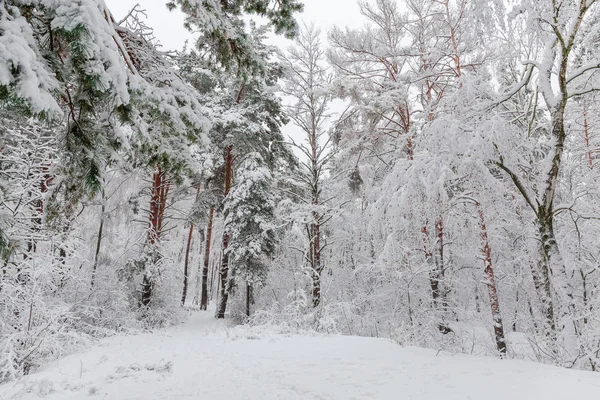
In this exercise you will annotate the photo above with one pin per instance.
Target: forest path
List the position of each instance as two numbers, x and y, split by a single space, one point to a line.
202 359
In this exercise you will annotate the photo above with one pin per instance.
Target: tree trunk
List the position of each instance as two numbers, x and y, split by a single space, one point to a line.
441 269
316 260
434 282
158 202
187 257
586 130
248 298
99 240
225 259
209 229
198 284
551 263
491 284
186 264
214 286
553 271
315 229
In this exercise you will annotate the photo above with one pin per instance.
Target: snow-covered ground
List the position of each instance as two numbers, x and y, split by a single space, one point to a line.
204 360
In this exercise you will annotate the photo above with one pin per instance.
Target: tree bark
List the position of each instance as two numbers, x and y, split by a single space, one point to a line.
317 267
551 264
209 229
186 264
187 257
434 282
158 202
586 130
225 259
491 284
98 241
248 298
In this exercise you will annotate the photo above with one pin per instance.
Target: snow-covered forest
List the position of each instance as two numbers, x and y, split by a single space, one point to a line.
441 188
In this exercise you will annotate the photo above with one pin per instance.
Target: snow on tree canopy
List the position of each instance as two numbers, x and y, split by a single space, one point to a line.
21 65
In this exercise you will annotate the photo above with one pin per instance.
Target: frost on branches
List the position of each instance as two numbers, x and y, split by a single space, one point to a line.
444 191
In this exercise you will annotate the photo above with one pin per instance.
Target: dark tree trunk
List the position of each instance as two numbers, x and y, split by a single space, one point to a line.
98 241
441 269
586 130
204 297
316 260
225 259
186 264
248 298
435 277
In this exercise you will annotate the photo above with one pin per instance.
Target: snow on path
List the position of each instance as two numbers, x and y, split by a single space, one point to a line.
204 360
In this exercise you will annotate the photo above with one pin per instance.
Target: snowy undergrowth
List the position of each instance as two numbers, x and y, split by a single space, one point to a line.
54 324
204 358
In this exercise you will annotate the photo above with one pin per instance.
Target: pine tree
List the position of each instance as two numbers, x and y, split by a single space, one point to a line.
251 123
223 31
249 223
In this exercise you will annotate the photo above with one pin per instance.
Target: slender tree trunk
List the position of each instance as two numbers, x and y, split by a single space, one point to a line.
315 234
516 313
187 257
198 285
317 267
587 138
98 240
434 282
209 229
158 202
214 278
491 284
435 277
225 259
248 298
186 264
441 269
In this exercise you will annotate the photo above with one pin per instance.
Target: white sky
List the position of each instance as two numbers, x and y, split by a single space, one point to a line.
169 30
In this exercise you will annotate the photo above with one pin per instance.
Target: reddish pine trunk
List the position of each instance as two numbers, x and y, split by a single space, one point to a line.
158 203
491 284
204 298
225 259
